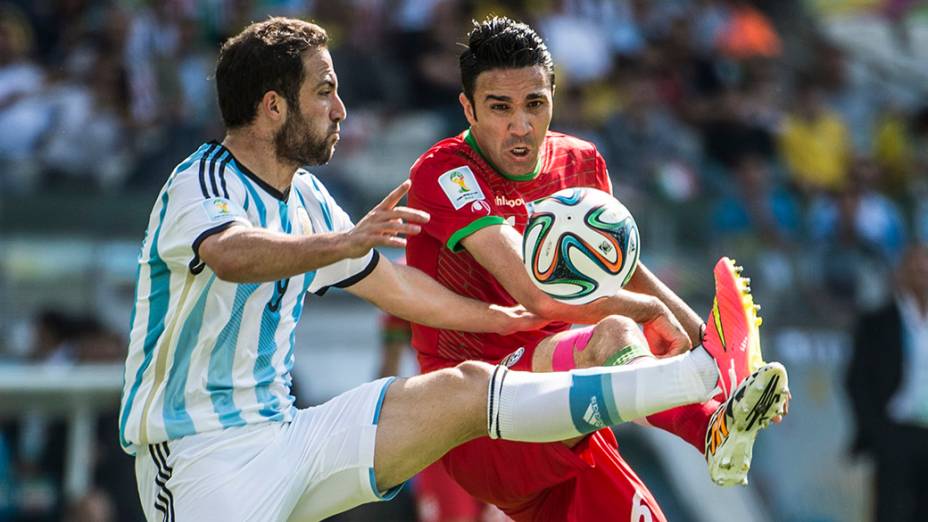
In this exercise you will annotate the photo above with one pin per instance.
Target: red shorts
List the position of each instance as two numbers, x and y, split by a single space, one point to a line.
552 482
439 497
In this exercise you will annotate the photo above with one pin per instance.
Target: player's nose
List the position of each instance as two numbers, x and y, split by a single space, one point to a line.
520 126
339 110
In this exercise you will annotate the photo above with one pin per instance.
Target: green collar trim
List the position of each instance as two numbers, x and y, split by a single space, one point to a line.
469 138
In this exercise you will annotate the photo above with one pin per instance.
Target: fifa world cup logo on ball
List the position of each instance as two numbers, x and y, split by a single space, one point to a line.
458 179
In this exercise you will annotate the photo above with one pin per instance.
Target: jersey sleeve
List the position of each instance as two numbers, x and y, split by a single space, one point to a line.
459 202
192 213
346 272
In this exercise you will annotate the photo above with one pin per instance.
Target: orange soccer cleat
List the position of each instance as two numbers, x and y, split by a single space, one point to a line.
731 336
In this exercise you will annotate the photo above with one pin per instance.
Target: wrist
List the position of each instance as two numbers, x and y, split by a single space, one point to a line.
343 245
498 320
648 308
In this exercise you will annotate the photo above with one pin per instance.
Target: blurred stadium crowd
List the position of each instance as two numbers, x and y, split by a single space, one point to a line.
728 126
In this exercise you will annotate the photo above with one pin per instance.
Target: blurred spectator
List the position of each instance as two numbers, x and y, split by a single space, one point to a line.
54 338
900 146
645 138
152 43
814 142
86 140
732 133
61 338
758 206
860 215
368 78
748 33
844 91
577 41
95 506
857 236
21 104
887 382
897 13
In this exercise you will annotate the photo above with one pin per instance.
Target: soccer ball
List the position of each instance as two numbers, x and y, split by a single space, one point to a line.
580 244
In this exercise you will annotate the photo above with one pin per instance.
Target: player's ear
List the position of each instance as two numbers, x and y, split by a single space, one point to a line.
274 106
469 109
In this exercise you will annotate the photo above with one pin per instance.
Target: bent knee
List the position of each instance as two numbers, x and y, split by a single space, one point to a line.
610 335
474 374
470 389
466 380
617 327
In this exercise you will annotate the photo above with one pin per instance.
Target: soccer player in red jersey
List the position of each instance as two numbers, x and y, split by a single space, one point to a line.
476 186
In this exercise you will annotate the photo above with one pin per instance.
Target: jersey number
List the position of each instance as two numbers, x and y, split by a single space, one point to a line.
640 510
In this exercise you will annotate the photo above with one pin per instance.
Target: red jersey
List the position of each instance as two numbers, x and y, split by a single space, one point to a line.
463 193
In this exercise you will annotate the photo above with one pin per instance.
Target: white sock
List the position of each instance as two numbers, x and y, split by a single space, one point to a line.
705 365
547 407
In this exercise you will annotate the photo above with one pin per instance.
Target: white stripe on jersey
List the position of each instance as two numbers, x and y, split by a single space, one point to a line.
206 354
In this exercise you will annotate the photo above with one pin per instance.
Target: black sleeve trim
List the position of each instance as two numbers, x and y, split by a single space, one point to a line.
345 283
196 265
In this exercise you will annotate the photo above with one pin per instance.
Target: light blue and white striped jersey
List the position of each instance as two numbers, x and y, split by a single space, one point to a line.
206 354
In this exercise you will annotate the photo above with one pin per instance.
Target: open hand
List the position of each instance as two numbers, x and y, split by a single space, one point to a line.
385 225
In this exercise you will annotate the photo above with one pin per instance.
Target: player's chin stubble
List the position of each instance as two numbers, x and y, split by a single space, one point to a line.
296 142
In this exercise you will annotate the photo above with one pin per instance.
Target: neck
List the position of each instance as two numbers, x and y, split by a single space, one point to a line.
258 155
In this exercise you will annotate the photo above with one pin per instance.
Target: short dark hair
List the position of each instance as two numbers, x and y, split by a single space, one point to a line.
265 56
502 43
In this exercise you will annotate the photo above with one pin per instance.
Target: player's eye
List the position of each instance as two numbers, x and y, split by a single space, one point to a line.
535 104
499 107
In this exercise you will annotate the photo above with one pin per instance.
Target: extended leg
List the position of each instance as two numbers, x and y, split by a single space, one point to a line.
424 416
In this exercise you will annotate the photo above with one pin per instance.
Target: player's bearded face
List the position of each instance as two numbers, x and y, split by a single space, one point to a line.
309 133
300 143
512 112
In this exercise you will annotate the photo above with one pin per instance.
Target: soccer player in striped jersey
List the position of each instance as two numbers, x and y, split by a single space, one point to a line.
238 235
476 186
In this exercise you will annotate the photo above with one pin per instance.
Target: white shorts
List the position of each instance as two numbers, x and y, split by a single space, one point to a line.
320 464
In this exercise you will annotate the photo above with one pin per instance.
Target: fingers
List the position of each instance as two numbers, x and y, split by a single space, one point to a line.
396 214
408 214
386 240
390 228
394 196
678 347
392 241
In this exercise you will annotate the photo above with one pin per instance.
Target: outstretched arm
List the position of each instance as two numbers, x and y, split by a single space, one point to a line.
498 249
254 255
409 293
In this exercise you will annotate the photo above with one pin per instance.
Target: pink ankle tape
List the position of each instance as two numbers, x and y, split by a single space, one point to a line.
563 357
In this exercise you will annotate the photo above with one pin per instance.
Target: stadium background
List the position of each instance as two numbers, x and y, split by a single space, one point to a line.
792 135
